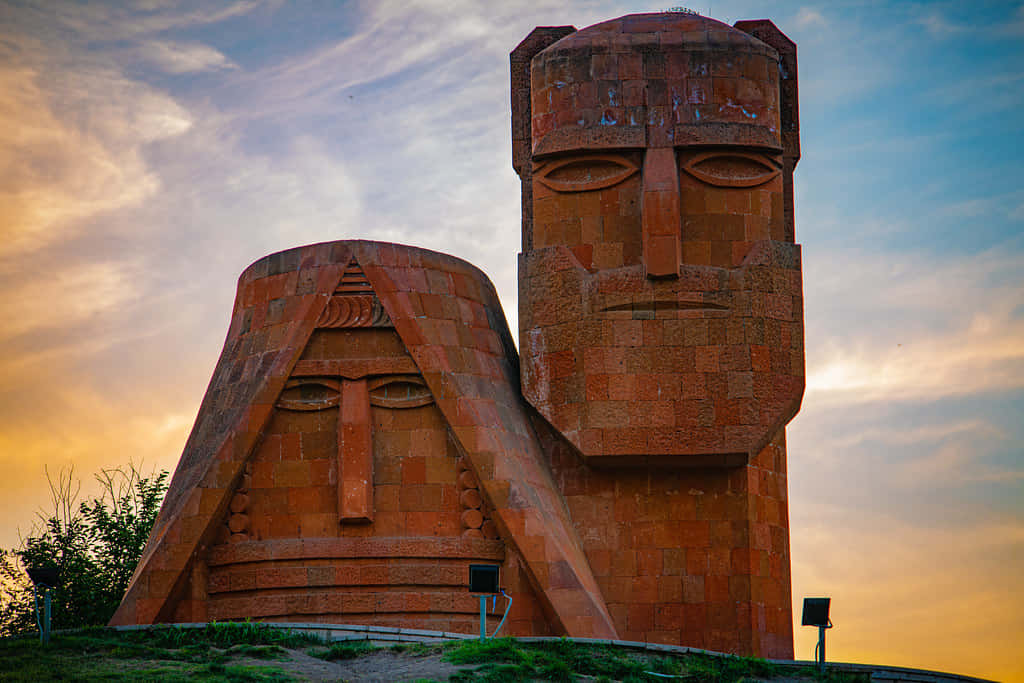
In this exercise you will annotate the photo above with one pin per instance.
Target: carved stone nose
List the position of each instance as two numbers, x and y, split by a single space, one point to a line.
661 213
355 454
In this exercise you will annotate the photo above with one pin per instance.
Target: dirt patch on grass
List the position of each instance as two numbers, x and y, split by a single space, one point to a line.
242 653
380 665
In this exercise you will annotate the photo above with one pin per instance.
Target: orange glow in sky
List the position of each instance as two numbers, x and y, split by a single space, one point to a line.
150 151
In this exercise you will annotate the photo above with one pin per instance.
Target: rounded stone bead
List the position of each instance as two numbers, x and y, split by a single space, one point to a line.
472 518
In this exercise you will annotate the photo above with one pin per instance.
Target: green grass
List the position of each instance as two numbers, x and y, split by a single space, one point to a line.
172 654
416 649
267 652
222 652
227 634
504 659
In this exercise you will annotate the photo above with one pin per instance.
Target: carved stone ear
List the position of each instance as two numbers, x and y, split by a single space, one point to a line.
520 59
765 31
539 38
789 110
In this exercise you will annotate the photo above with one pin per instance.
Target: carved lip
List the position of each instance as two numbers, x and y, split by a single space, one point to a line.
666 306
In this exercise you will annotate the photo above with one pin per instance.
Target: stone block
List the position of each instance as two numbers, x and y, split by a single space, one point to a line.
365 435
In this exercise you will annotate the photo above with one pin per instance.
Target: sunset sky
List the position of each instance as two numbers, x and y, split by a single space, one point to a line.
150 151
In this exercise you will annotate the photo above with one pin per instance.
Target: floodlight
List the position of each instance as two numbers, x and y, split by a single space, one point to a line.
816 612
45 578
483 578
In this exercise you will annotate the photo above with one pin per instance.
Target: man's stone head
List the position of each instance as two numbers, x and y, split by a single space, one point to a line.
657 161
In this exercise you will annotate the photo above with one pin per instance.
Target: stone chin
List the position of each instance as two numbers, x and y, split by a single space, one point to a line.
702 370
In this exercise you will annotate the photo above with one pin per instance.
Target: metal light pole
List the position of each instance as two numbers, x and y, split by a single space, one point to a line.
816 614
483 617
483 578
46 616
821 647
46 578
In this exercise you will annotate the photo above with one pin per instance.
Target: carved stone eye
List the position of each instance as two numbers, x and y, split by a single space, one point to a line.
309 394
399 391
580 174
731 169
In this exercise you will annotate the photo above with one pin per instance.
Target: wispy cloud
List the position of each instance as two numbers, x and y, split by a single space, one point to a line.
385 39
931 434
929 327
72 294
809 17
989 93
998 206
114 21
132 200
960 459
939 27
180 58
1001 24
835 70
74 149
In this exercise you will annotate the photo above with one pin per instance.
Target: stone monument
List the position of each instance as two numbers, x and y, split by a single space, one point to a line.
369 432
661 312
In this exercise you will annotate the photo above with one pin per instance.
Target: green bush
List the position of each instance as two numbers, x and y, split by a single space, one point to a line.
94 545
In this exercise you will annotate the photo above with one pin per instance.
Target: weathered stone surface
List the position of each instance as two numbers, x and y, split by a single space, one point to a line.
354 435
364 436
661 314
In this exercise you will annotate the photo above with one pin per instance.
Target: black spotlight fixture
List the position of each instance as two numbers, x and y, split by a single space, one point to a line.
46 578
483 579
816 614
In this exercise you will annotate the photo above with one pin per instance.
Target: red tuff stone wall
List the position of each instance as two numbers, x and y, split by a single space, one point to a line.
363 440
698 557
365 436
661 312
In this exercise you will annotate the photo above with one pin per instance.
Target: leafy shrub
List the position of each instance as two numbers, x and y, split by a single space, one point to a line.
94 545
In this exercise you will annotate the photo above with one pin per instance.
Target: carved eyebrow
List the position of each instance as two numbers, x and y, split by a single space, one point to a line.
355 368
731 168
596 138
585 172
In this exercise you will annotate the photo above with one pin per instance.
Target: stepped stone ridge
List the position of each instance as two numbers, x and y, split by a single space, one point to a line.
370 430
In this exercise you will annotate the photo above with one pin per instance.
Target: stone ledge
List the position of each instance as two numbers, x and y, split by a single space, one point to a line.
432 548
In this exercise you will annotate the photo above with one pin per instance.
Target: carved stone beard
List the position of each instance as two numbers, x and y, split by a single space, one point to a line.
660 304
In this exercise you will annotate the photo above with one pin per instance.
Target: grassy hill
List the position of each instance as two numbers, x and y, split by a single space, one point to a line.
252 652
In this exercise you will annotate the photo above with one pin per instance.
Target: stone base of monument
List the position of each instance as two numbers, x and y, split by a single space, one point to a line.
386 636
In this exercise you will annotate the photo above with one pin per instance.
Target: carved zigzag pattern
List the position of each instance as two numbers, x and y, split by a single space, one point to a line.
354 304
